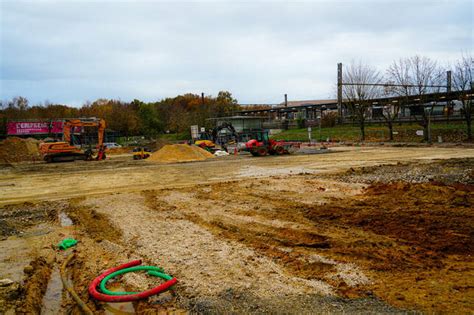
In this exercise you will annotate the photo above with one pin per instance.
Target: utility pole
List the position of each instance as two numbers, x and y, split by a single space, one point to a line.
448 89
429 127
203 104
321 110
286 113
448 81
320 117
339 91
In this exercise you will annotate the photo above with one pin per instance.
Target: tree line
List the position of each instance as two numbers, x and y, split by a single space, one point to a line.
405 77
417 75
170 115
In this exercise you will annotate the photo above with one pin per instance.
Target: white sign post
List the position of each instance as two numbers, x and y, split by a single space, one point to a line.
194 131
309 134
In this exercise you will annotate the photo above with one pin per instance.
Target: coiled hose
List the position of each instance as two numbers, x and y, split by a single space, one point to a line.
103 283
129 297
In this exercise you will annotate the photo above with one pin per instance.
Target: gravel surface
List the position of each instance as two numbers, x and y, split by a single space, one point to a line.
445 171
217 275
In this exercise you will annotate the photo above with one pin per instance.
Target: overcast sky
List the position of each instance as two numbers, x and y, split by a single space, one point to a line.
72 51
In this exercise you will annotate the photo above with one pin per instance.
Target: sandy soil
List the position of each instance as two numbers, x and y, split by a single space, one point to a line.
290 234
37 182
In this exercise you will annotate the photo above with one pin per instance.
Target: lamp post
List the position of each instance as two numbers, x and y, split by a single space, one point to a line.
321 118
429 121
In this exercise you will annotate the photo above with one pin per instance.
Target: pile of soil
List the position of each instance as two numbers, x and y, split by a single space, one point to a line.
180 153
17 150
417 241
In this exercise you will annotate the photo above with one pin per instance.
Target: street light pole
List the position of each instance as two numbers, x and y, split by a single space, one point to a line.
321 118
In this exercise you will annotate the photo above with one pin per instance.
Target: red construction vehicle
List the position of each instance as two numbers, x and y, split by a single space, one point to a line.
65 151
263 145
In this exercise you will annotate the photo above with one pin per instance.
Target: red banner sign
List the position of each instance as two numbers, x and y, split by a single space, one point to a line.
34 127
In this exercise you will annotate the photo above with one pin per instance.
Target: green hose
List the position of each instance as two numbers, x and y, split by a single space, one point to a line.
160 275
152 270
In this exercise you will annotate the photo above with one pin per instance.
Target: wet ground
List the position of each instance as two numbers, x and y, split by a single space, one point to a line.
294 234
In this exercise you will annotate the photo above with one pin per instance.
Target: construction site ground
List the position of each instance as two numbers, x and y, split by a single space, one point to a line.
354 229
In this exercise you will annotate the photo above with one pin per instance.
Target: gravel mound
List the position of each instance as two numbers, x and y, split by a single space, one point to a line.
180 153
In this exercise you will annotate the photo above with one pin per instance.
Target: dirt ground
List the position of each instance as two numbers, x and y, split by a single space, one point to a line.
358 230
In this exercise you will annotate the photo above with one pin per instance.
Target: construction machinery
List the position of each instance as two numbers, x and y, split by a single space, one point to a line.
66 150
205 142
209 140
262 145
141 153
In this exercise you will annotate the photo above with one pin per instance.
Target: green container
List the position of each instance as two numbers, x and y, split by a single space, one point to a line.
67 243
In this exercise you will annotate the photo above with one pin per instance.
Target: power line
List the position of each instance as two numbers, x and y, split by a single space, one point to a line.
394 85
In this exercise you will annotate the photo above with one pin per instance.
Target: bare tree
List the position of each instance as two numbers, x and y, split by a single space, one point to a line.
462 81
391 110
357 96
416 76
390 113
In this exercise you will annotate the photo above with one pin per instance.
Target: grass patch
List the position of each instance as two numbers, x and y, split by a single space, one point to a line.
175 136
450 132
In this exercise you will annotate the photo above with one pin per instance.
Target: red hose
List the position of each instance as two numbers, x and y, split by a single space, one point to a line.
126 298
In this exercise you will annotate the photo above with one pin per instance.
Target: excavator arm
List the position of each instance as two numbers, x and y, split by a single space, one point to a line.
225 125
90 122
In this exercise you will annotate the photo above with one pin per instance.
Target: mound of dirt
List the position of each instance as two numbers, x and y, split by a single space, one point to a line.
180 153
17 150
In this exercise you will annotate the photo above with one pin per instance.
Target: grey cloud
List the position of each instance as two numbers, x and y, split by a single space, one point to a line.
72 51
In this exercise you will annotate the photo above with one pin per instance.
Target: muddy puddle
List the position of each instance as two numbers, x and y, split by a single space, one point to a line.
64 219
17 251
52 299
28 234
118 308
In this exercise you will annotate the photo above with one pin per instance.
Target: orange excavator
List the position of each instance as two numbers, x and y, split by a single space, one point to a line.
65 151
